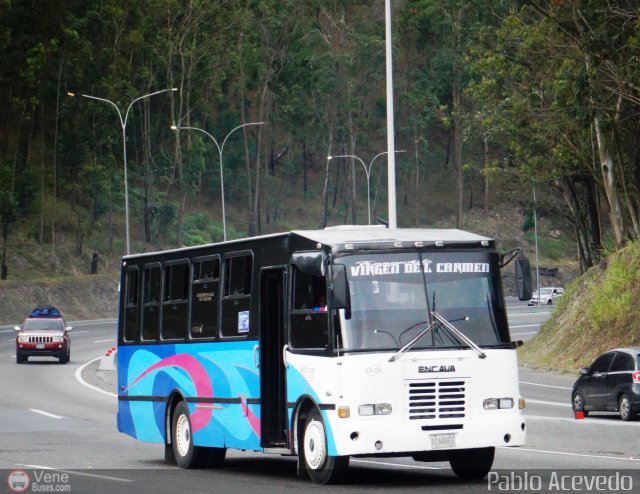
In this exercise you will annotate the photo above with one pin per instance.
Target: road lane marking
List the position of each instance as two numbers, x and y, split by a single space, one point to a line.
545 385
75 472
524 334
79 378
526 326
83 331
566 453
103 341
529 314
95 322
7 331
552 403
389 464
46 414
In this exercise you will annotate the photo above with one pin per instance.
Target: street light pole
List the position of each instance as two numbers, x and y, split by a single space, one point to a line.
123 125
391 163
367 171
535 235
220 149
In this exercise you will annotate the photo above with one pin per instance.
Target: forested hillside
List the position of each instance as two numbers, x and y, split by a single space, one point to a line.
493 99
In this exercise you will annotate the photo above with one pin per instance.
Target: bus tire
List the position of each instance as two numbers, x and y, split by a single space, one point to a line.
185 453
169 456
322 468
472 463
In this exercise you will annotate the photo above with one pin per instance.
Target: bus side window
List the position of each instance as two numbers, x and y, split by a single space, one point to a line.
131 311
205 295
176 301
309 322
151 303
236 302
238 275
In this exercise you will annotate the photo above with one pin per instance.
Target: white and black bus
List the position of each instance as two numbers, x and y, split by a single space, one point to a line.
328 344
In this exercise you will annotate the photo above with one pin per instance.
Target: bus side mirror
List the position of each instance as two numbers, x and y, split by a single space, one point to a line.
340 287
311 263
523 278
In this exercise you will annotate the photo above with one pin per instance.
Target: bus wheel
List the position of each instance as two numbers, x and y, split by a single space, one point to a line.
322 468
186 454
472 463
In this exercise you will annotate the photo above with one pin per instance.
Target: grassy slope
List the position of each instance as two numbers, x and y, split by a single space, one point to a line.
599 311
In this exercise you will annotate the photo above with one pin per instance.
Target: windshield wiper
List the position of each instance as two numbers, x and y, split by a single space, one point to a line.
458 333
437 318
411 344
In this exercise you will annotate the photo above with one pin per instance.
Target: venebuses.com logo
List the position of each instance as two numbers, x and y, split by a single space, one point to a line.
18 481
38 481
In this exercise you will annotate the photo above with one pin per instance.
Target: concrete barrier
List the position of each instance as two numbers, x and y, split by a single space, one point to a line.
598 434
108 360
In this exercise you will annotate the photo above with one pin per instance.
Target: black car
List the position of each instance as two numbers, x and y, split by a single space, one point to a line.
610 384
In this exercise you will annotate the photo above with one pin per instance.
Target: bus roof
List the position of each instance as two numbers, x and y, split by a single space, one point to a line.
370 234
347 237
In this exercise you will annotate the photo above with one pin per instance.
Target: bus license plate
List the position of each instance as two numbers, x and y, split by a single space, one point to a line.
443 441
40 346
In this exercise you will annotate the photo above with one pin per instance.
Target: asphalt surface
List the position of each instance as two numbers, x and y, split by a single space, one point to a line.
60 420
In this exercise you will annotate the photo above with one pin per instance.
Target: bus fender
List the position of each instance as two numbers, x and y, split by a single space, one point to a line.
173 399
301 409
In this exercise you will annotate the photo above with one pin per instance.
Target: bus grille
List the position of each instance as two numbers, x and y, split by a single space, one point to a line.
436 400
40 339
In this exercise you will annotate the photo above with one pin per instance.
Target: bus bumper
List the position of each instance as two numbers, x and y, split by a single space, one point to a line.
385 437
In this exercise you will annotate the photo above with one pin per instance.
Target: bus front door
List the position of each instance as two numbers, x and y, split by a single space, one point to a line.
273 406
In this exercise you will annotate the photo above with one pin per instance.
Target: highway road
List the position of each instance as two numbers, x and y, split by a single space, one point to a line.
525 320
59 420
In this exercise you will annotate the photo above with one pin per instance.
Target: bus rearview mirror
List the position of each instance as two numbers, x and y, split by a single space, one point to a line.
523 278
311 263
340 291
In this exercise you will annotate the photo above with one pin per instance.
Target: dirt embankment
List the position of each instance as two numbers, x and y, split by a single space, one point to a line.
85 297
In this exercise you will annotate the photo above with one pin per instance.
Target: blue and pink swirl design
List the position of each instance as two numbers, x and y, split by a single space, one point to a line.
217 381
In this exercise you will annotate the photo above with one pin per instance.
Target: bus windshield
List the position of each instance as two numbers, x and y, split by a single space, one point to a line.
391 296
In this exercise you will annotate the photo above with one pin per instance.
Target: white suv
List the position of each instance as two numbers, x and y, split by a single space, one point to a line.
545 296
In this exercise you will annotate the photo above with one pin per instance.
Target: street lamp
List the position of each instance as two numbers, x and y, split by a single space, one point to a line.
220 149
367 171
391 162
123 124
535 234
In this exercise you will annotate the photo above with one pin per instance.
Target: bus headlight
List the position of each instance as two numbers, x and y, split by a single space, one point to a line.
505 403
497 403
375 409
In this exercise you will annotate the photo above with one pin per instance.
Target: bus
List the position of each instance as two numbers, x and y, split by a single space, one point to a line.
323 345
